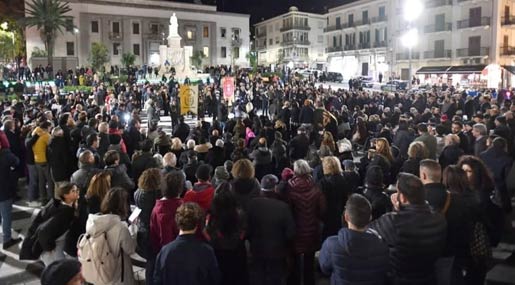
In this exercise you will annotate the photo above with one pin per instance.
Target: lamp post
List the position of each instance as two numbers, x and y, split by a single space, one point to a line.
412 10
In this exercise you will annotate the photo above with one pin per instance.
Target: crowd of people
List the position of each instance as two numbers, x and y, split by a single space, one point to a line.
389 188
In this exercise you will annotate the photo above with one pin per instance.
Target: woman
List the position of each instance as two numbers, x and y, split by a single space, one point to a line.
308 206
121 241
417 151
145 199
162 142
98 187
360 135
240 151
225 231
177 149
381 156
451 152
249 136
374 192
334 187
328 140
244 184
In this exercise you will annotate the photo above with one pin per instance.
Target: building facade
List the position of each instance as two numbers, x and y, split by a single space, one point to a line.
140 26
294 38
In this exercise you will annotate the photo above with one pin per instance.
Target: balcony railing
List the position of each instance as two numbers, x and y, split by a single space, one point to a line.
405 55
380 44
379 19
332 28
508 20
466 52
507 50
469 23
364 45
438 28
349 47
295 27
459 1
438 3
115 36
298 42
334 49
362 22
447 53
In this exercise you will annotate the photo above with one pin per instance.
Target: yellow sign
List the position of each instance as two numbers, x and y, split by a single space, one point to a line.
189 99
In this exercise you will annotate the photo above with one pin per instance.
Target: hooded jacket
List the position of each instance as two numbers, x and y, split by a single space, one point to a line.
163 228
353 257
202 194
119 240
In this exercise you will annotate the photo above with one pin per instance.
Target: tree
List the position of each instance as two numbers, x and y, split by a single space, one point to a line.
49 17
37 52
252 58
98 56
128 59
197 58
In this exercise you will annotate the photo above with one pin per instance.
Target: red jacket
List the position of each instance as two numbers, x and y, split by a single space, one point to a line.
163 228
202 194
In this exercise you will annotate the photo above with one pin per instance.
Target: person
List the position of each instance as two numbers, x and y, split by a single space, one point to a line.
145 199
40 158
334 187
216 156
351 175
98 188
414 234
381 155
143 160
451 152
479 132
220 176
225 231
119 176
356 255
187 260
244 184
7 191
428 140
58 158
374 192
121 241
62 272
82 177
417 151
464 143
262 158
190 168
271 228
299 146
308 207
203 191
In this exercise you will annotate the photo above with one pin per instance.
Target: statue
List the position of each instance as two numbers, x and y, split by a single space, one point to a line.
174 25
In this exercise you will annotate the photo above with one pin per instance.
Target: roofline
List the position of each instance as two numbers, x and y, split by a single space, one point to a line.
351 5
154 3
321 16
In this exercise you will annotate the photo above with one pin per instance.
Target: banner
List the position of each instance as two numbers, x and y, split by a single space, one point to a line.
189 99
228 87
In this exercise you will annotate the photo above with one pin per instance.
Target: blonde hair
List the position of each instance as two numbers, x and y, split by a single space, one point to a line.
176 144
383 148
243 169
99 185
418 150
331 165
452 139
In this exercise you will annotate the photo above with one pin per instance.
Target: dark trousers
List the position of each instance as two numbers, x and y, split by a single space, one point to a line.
303 271
268 271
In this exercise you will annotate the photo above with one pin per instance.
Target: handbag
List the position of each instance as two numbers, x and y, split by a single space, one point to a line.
480 250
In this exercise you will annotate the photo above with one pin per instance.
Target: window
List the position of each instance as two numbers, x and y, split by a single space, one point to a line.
116 48
69 24
223 52
135 28
320 24
135 49
206 51
70 48
223 31
277 40
351 19
364 15
270 41
236 52
154 29
382 12
94 26
236 33
116 27
338 22
206 32
189 35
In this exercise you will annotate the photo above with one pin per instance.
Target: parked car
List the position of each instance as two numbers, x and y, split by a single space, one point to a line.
394 85
333 77
366 81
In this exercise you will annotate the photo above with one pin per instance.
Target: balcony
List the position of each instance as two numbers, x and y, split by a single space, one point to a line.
459 1
508 20
379 19
295 27
364 45
438 3
333 49
432 54
470 23
298 42
332 28
507 50
468 52
380 44
115 36
438 28
405 55
349 47
236 42
361 22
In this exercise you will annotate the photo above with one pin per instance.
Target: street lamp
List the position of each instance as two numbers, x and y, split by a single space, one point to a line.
412 10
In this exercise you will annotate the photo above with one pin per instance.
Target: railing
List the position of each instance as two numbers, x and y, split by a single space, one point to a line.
298 42
507 50
465 52
405 55
115 36
459 1
438 3
362 22
438 28
236 42
508 20
332 28
438 54
334 49
379 19
295 27
349 47
380 44
364 45
469 23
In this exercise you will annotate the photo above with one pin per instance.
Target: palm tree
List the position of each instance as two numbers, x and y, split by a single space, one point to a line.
48 16
197 58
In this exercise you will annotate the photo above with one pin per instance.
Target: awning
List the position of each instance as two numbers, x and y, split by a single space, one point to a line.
466 69
510 68
433 70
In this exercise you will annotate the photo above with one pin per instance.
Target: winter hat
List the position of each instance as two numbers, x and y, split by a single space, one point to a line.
60 272
268 182
286 174
221 173
374 176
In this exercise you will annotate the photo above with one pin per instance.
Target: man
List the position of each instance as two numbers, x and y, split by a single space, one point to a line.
271 228
479 132
415 235
187 260
428 140
457 129
143 160
132 137
86 171
215 155
40 158
62 272
203 191
497 159
299 145
355 249
182 130
103 136
119 177
190 168
262 158
7 191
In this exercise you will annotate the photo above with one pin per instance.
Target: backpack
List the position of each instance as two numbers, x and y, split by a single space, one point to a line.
98 261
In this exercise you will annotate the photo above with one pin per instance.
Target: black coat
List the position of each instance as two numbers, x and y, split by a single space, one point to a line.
215 157
82 177
59 159
119 177
499 162
379 201
306 115
7 161
336 192
298 147
141 163
450 155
